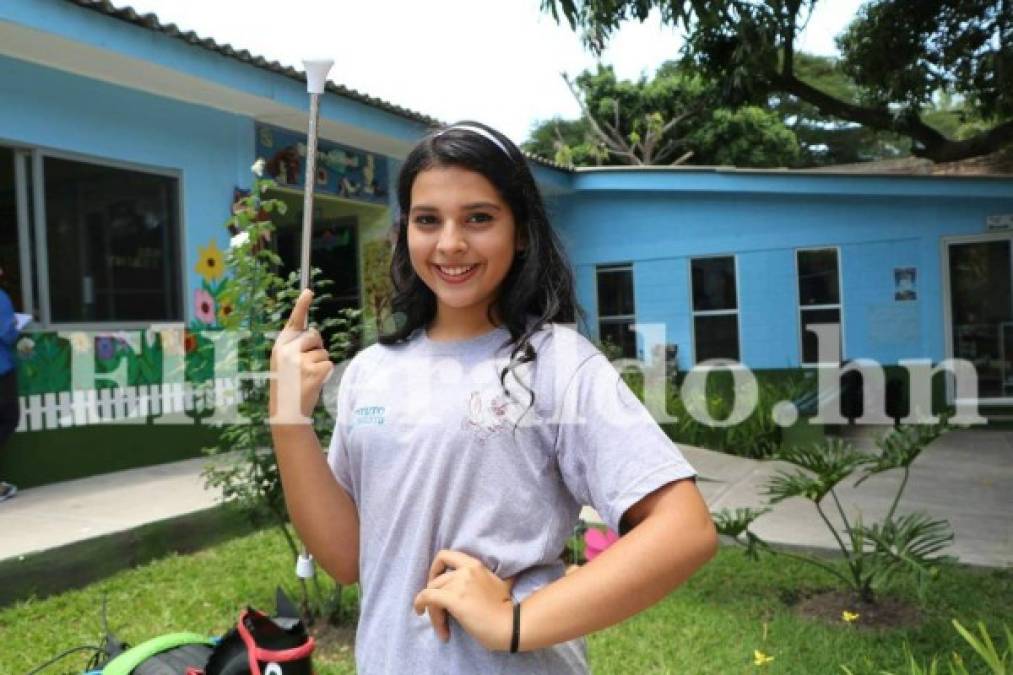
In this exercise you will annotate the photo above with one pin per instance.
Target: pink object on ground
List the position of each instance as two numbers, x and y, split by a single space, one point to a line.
597 541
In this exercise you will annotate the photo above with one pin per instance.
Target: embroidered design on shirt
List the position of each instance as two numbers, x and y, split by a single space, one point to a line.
371 414
489 413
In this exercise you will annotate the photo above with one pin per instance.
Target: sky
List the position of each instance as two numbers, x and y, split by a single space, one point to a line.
495 61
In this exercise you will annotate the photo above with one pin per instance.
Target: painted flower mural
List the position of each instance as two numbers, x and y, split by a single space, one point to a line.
210 262
105 348
204 306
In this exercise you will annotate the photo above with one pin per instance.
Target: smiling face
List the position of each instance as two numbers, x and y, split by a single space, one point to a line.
461 241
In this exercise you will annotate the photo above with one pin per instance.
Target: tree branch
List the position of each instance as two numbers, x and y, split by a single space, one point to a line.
615 146
934 145
684 158
788 67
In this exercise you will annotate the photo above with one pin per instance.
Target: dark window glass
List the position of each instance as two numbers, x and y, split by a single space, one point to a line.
112 236
615 292
809 339
981 298
10 254
620 333
817 277
716 336
713 284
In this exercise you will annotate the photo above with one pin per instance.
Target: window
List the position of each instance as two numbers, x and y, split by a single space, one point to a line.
616 310
111 238
819 297
10 239
715 308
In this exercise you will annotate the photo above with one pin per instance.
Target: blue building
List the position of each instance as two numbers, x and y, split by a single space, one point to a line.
124 142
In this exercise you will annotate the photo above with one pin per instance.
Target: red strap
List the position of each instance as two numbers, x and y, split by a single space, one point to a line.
255 653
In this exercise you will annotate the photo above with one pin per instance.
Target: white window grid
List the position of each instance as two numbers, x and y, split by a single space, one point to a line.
613 318
716 312
839 305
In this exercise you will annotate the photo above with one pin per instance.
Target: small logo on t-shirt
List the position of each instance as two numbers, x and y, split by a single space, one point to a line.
370 414
489 413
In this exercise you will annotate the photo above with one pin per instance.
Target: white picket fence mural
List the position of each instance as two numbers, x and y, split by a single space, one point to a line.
120 405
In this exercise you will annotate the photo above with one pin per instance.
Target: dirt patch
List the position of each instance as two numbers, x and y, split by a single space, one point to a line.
334 643
886 613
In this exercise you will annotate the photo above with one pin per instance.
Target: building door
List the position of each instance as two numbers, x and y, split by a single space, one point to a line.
980 302
333 248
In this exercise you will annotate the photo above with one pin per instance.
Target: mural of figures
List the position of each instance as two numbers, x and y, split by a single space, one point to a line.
284 166
342 171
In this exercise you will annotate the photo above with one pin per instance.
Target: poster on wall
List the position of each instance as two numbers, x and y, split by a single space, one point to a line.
341 170
904 287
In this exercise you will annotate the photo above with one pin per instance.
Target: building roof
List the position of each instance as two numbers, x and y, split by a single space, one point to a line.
151 22
998 163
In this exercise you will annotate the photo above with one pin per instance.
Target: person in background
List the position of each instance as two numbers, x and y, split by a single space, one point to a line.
9 411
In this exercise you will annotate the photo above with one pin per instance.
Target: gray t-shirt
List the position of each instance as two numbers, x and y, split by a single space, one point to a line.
426 447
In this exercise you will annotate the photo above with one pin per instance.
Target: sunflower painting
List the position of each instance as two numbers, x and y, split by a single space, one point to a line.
213 306
210 262
212 302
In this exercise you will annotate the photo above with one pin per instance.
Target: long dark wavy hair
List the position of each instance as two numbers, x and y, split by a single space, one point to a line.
540 280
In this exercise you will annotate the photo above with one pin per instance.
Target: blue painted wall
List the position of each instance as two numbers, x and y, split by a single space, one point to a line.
95 29
211 150
878 223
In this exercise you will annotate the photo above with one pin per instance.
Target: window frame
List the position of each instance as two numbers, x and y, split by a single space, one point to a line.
799 307
35 273
607 268
715 312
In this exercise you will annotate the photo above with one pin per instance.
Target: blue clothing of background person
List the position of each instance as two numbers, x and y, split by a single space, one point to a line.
9 411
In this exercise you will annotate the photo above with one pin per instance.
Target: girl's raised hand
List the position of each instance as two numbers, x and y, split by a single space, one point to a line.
299 367
480 601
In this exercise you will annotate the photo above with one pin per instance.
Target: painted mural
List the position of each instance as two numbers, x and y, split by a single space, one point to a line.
128 363
341 170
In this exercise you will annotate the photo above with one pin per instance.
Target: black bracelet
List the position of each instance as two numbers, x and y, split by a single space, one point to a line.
517 628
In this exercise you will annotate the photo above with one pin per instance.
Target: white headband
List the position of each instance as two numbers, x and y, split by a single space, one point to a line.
480 131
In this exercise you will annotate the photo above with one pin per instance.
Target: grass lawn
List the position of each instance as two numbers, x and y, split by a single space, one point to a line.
712 624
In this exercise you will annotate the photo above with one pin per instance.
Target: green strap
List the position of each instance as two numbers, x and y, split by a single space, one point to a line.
125 663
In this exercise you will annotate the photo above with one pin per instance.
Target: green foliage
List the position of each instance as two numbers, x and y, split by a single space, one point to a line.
898 53
984 648
736 523
262 301
749 136
710 625
902 52
874 554
758 436
661 120
824 139
831 462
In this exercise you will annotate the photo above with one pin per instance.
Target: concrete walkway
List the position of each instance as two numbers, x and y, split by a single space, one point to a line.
46 517
965 477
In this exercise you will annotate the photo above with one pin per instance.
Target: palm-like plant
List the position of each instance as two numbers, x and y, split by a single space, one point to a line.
873 554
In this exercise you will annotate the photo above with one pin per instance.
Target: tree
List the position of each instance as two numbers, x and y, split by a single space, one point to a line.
898 52
824 139
749 136
670 119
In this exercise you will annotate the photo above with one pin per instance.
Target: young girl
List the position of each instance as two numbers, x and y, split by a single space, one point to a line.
468 439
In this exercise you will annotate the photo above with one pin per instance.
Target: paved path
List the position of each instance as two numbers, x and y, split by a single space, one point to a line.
965 477
49 516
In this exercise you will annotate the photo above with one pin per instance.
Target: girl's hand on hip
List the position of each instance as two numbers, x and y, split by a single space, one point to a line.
299 367
480 601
